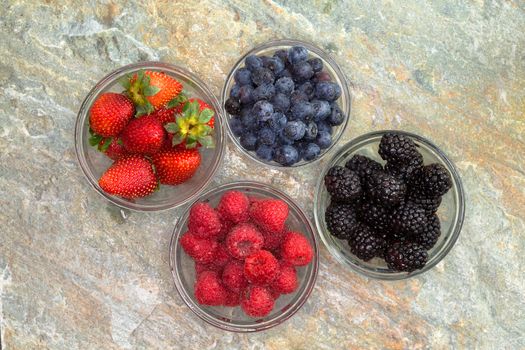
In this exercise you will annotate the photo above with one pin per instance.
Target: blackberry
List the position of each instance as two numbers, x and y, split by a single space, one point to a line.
365 244
364 166
385 189
429 204
343 184
430 235
341 220
431 180
406 256
405 170
409 218
397 148
375 216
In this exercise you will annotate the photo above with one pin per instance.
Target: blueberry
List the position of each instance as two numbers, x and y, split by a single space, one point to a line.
277 122
297 54
262 110
246 110
298 97
243 76
284 85
302 71
308 89
236 126
248 141
302 111
283 140
274 64
264 60
263 92
281 103
264 152
284 73
286 155
326 90
336 116
253 62
234 92
266 136
295 130
321 109
282 54
310 152
322 76
324 126
262 75
316 63
246 94
232 106
249 122
324 139
311 131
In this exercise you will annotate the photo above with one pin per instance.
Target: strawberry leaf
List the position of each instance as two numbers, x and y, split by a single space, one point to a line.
205 116
125 82
151 90
106 144
141 110
186 107
194 108
140 75
172 128
206 129
206 141
95 139
119 141
177 100
177 139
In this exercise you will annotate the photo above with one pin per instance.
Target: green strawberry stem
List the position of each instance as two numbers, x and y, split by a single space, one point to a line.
192 126
137 89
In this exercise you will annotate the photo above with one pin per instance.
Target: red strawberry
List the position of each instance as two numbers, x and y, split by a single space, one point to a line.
176 166
269 214
194 124
110 113
144 135
129 177
112 148
164 115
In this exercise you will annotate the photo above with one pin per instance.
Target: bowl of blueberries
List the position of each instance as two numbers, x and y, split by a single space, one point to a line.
287 103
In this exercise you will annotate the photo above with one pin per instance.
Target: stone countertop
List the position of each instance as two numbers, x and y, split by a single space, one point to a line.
74 275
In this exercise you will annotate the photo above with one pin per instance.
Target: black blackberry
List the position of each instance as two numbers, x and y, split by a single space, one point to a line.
430 235
343 184
409 218
341 220
364 166
365 244
406 256
397 148
404 170
385 189
375 216
232 106
429 204
432 180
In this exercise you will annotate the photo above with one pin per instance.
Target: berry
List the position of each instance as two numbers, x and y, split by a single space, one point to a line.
277 122
253 62
284 86
429 204
302 71
264 152
385 189
151 90
323 126
257 301
275 64
397 148
296 249
233 276
232 299
234 206
286 280
261 267
282 54
143 135
248 121
324 139
202 250
311 132
286 155
430 234
226 226
283 140
262 110
343 184
284 73
112 148
295 130
336 116
281 103
406 257
243 76
200 268
322 109
244 240
269 214
264 92
176 166
236 126
316 64
405 171
249 141
340 220
234 92
110 113
204 221
262 76
246 94
266 136
297 54
365 245
272 240
232 106
129 177
322 76
310 152
302 111
432 180
298 97
364 166
308 89
409 218
165 115
327 90
209 290
375 216
221 258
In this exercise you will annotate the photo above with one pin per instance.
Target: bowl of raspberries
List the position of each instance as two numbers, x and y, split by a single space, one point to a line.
390 204
150 136
244 257
288 103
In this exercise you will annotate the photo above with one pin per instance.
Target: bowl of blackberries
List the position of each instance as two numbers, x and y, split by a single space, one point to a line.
390 205
287 103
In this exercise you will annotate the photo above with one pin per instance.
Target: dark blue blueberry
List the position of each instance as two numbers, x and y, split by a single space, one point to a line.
281 103
321 109
243 76
302 71
336 117
236 126
246 110
284 85
277 122
297 54
266 136
308 89
274 64
295 130
234 92
302 111
264 152
283 140
324 126
246 94
316 63
262 110
249 122
263 92
249 141
311 131
298 97
284 73
321 76
324 139
264 60
286 155
253 62
262 76
327 90
232 106
310 152
282 54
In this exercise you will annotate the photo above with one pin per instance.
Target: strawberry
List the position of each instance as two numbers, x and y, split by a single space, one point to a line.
202 106
110 113
144 135
177 165
165 115
112 147
129 177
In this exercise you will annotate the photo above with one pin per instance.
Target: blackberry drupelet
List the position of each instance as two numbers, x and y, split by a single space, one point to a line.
406 256
341 220
364 166
343 184
405 170
385 189
397 148
429 204
409 218
375 216
365 244
430 234
432 180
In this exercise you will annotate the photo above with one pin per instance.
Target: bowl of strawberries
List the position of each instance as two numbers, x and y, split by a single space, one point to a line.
244 257
150 136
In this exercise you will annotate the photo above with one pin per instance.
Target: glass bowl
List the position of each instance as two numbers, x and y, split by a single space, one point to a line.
234 319
94 163
451 212
330 66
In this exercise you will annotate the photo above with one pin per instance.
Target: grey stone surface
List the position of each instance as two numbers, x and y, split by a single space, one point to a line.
74 275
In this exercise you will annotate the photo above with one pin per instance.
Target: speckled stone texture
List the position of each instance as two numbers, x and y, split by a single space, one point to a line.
75 275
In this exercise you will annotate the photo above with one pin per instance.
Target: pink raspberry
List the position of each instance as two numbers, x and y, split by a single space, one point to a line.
269 214
257 301
204 221
221 256
234 206
200 249
243 240
286 280
209 290
233 276
261 267
226 226
200 268
296 249
232 299
272 240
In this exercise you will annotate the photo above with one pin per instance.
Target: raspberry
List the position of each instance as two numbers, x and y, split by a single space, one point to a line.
275 294
234 206
261 267
286 280
221 256
272 240
243 240
200 268
269 214
343 184
233 276
257 301
232 299
406 256
209 290
200 249
226 226
296 249
204 221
